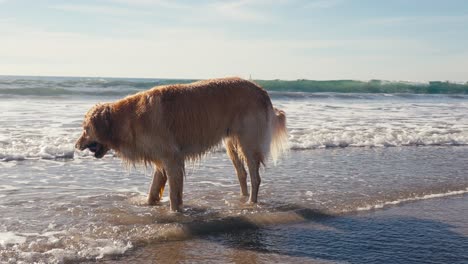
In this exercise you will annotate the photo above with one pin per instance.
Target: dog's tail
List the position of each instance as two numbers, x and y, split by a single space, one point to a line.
279 135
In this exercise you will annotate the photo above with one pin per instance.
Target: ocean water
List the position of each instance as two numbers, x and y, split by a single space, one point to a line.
370 177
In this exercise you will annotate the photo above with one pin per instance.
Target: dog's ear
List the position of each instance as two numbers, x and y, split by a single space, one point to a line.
101 120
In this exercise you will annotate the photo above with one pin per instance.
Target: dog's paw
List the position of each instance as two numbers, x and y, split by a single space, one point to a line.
152 202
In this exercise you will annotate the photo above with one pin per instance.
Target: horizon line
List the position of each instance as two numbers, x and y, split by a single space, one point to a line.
254 79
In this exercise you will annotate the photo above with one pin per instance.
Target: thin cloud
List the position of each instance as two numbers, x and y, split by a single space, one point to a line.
97 9
247 10
322 4
240 11
421 20
156 3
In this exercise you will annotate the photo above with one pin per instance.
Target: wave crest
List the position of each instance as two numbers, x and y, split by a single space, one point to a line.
59 86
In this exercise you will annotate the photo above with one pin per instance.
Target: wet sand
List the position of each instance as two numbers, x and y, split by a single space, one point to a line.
430 231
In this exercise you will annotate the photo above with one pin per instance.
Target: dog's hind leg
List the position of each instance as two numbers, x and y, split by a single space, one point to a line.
253 163
253 158
252 140
233 153
174 168
157 186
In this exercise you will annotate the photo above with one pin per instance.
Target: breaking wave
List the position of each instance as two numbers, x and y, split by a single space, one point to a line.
62 86
299 139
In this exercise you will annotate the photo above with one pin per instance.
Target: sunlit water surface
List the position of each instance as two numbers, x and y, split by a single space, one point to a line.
349 155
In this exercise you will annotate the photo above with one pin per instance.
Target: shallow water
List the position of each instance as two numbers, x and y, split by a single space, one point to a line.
430 231
91 208
350 154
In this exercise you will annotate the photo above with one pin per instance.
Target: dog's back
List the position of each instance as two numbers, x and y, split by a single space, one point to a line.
201 114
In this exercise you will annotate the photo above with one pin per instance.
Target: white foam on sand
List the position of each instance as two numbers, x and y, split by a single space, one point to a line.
9 238
97 250
410 199
11 157
218 184
8 188
51 247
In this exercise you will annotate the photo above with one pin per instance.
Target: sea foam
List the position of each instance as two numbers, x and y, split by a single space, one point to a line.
383 204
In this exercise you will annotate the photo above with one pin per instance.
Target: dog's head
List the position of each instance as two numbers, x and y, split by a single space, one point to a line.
96 134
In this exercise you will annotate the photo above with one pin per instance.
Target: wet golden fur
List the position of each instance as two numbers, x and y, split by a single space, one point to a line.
168 125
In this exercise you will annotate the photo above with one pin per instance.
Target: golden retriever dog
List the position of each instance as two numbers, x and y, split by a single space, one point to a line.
168 125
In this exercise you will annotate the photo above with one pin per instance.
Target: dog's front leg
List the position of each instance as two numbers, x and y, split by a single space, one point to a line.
175 175
157 186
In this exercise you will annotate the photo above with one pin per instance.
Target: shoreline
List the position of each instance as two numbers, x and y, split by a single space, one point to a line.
323 238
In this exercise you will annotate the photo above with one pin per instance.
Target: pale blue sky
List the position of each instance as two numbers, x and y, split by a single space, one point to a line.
414 40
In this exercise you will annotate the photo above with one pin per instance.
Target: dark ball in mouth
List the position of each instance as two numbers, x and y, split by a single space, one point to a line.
98 149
